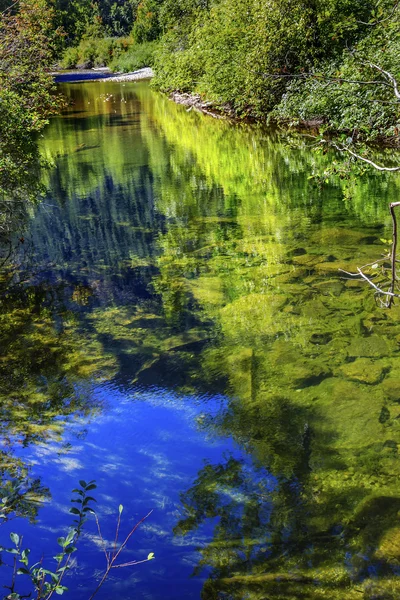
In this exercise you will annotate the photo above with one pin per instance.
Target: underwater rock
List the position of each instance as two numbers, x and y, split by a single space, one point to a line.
315 309
391 388
365 370
292 369
389 546
306 260
329 287
338 236
253 316
372 346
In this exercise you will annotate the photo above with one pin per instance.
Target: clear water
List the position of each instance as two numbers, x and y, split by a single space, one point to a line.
173 324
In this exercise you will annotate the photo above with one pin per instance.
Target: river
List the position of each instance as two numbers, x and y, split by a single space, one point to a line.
177 329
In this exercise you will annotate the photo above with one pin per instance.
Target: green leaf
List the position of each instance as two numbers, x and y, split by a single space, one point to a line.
70 536
74 511
58 557
60 589
92 486
89 499
150 556
14 538
120 508
82 483
61 541
22 571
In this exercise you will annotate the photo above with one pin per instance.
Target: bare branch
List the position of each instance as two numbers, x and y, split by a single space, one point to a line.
391 79
362 158
378 289
9 8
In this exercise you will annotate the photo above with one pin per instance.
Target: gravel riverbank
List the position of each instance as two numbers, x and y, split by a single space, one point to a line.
97 74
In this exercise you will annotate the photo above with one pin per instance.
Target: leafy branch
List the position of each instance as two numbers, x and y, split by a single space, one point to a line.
46 582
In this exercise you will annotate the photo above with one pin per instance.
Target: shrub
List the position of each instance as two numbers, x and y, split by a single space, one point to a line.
136 57
95 52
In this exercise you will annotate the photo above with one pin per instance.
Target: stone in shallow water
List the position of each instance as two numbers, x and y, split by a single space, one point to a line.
391 388
338 236
372 346
365 370
329 287
389 546
306 260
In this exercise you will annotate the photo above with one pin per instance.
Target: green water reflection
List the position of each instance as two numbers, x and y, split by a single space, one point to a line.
196 255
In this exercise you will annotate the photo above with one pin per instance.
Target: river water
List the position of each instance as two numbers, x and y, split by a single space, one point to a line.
176 327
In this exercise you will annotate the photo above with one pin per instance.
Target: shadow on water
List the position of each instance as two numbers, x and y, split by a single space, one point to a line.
182 334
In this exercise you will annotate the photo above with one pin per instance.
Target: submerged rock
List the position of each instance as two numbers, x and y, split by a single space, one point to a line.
365 370
372 346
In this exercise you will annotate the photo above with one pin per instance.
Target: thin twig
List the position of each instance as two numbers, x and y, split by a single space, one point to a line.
116 533
103 544
130 564
111 561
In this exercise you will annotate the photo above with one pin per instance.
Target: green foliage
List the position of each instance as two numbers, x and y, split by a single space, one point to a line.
44 582
136 57
147 26
73 16
105 17
330 96
95 52
286 57
27 97
223 42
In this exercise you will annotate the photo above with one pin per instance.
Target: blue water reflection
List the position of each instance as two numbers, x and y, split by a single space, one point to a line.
144 449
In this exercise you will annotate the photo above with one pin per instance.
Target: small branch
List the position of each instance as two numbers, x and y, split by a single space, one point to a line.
9 8
361 274
366 160
392 206
116 533
392 80
103 544
130 564
111 560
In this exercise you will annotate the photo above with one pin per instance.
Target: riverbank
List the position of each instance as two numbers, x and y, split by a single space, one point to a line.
88 75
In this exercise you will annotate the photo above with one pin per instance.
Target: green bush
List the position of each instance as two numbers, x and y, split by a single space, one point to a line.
95 52
70 58
369 110
242 53
136 57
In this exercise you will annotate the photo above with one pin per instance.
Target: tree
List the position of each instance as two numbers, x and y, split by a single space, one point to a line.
28 97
